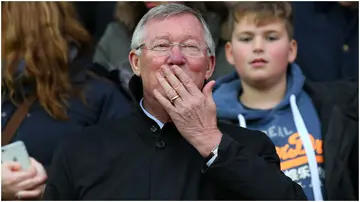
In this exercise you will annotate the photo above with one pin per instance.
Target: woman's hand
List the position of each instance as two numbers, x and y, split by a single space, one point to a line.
20 184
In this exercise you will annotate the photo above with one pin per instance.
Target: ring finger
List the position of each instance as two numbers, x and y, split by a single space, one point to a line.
169 91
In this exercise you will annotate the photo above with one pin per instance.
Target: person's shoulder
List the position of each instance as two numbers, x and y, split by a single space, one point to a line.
88 75
89 148
88 138
100 82
340 84
340 92
98 87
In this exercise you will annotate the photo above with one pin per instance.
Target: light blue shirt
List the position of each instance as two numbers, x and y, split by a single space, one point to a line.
161 125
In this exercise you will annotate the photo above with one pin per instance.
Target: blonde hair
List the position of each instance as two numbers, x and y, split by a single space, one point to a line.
263 12
41 34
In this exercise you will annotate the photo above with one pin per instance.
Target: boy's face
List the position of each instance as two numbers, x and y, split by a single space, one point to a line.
261 53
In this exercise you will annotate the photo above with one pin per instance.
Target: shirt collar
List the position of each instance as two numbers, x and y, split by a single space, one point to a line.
161 125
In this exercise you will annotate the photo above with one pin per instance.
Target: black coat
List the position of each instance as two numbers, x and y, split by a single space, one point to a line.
133 159
337 107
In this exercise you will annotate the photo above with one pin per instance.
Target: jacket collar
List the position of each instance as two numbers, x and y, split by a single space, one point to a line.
136 88
337 120
321 99
136 93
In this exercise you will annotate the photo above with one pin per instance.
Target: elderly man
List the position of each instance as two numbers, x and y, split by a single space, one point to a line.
171 147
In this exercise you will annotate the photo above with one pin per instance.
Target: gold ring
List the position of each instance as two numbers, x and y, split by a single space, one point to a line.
174 98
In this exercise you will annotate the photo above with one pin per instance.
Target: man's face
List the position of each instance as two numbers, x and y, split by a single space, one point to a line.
179 29
260 54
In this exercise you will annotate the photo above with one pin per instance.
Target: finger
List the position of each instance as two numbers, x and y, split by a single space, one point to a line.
175 82
24 175
38 166
169 91
32 183
163 101
33 161
31 194
208 88
186 80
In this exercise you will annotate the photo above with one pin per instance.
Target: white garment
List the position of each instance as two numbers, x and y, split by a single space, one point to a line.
161 125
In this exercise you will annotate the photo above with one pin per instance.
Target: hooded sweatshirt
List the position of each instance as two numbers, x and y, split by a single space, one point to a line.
293 126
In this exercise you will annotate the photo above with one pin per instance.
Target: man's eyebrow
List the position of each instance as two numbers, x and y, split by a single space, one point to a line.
168 37
161 37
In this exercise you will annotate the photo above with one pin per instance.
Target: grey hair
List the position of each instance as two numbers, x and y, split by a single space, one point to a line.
166 10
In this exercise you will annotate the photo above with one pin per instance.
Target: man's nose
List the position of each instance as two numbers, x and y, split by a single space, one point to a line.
258 45
176 57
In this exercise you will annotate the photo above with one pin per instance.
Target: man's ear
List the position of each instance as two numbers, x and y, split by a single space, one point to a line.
292 51
135 62
229 53
210 68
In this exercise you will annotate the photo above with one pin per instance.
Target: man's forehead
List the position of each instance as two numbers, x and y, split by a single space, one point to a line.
174 27
175 16
171 37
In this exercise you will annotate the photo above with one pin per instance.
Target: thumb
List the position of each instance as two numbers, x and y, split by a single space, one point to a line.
38 166
207 90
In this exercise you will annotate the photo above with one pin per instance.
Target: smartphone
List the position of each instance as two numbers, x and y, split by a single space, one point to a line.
17 152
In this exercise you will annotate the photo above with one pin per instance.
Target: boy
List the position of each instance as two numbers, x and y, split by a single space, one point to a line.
313 126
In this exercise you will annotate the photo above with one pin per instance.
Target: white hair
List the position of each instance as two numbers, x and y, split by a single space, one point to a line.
166 10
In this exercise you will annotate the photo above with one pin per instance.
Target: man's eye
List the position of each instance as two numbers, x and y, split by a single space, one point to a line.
189 46
162 45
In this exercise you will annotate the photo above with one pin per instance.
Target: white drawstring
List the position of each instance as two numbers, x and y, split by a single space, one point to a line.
242 121
309 150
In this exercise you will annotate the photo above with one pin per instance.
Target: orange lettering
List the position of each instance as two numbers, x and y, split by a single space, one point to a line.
294 139
281 151
318 146
295 147
298 161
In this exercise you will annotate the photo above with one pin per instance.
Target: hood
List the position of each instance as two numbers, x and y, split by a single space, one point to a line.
227 91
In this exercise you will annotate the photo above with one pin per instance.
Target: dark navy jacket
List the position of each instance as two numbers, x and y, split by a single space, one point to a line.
328 40
41 133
